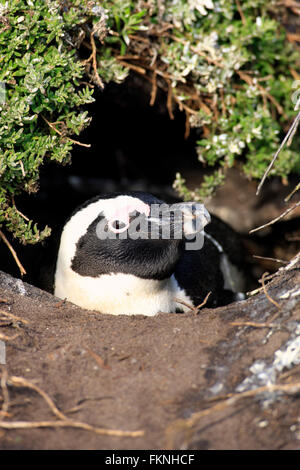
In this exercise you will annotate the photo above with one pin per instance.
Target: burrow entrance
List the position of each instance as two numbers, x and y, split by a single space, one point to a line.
135 146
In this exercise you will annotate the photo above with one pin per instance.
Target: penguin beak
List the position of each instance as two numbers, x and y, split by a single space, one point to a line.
195 217
187 217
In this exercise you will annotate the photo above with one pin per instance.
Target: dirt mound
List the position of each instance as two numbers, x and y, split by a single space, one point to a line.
224 378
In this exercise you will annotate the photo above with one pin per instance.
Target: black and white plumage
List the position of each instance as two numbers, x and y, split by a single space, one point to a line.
142 276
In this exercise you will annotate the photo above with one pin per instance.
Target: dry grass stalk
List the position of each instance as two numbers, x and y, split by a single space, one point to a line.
253 324
63 421
8 338
13 317
5 395
21 268
94 61
266 292
281 216
50 124
187 426
287 139
191 307
21 382
98 359
68 424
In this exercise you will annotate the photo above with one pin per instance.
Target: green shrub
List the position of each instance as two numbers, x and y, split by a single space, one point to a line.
225 63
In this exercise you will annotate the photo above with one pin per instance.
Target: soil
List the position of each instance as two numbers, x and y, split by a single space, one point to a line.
170 377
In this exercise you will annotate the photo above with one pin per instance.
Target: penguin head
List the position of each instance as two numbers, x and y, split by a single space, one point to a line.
132 233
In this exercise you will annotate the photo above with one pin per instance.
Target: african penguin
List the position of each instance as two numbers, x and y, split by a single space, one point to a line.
131 253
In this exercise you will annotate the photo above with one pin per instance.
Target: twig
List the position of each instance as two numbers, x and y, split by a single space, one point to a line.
63 421
22 168
266 292
246 77
288 373
154 89
187 125
8 338
94 61
288 136
13 317
128 57
98 359
238 5
21 268
182 302
191 307
271 259
272 99
50 124
17 211
281 216
195 50
136 68
22 215
5 394
253 324
204 302
292 193
190 423
60 303
169 100
21 382
68 424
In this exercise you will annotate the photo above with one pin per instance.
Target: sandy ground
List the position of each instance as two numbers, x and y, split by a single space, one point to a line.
169 382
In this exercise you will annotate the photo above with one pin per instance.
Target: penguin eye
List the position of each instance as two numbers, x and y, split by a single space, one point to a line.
135 216
118 224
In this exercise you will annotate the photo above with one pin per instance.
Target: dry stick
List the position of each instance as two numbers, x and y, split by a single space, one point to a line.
169 100
271 259
170 96
191 307
254 324
181 105
94 61
22 215
246 77
154 89
50 124
3 383
196 51
289 135
238 5
64 421
22 168
17 210
98 359
292 193
204 302
21 268
266 292
281 216
68 424
9 338
136 68
272 99
194 419
13 317
21 382
187 125
128 57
